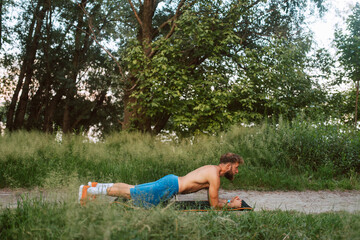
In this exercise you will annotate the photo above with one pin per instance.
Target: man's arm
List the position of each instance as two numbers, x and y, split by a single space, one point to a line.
213 195
214 185
235 202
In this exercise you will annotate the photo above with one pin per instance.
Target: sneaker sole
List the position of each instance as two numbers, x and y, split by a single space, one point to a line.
83 194
80 192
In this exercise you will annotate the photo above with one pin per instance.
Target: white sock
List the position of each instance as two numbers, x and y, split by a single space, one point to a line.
100 189
101 184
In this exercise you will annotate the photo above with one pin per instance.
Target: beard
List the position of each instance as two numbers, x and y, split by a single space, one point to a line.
229 175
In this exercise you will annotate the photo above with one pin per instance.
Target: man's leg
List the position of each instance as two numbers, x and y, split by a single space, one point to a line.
110 189
99 188
120 190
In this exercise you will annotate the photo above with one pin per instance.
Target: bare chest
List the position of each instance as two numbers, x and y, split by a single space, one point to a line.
188 186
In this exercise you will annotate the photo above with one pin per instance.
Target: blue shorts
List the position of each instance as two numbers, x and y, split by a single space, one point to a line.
151 194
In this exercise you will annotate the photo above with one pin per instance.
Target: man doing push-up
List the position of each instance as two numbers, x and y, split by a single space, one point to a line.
151 194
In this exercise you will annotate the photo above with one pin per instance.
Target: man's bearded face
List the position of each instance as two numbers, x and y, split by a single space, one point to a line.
230 174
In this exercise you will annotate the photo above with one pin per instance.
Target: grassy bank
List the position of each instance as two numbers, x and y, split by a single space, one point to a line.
36 219
286 156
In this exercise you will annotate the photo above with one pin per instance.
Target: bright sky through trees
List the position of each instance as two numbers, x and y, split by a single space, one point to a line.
324 28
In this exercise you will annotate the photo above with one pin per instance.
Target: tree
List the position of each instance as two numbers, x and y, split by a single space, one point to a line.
67 78
4 5
26 70
181 64
5 17
348 45
276 82
1 21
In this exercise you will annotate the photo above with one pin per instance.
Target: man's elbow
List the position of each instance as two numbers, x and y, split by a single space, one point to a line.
216 204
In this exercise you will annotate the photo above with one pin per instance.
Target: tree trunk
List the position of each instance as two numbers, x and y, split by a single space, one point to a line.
49 104
66 118
129 113
21 109
34 109
11 111
134 116
356 103
50 110
71 92
1 13
38 102
160 124
84 119
147 30
23 69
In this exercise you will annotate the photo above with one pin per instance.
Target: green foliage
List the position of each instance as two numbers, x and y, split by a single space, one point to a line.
343 105
276 83
292 156
194 68
348 45
5 6
2 113
69 70
192 91
216 70
296 156
37 219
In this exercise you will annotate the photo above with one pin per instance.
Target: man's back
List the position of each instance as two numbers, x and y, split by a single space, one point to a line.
199 179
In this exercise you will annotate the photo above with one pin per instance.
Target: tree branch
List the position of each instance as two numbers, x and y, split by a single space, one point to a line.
173 20
94 37
253 4
136 14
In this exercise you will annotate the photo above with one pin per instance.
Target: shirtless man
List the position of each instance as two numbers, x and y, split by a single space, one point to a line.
151 194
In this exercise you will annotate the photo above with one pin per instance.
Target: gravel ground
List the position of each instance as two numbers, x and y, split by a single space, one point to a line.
307 201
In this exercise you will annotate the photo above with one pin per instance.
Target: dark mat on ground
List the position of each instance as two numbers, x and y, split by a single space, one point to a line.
205 206
195 206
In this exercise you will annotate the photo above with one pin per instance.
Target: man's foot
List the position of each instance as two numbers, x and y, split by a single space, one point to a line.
92 184
83 194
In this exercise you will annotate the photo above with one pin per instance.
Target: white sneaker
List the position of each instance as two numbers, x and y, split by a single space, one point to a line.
83 194
92 184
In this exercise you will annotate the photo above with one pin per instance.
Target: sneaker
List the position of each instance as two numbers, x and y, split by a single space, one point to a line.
83 194
92 184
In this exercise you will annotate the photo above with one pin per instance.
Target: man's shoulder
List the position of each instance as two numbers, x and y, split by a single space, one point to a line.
206 171
212 171
210 168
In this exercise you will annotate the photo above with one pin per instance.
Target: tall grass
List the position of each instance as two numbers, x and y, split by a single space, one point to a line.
292 156
37 219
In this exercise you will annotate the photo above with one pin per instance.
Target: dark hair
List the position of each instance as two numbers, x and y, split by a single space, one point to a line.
231 158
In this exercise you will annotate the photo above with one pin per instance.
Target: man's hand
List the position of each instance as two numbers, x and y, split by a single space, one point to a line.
235 202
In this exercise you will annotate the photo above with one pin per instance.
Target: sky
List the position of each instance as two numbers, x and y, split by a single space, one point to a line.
324 28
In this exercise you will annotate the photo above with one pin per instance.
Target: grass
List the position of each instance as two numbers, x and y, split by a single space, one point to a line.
288 156
38 219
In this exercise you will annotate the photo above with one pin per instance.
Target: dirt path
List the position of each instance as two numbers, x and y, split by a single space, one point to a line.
307 201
